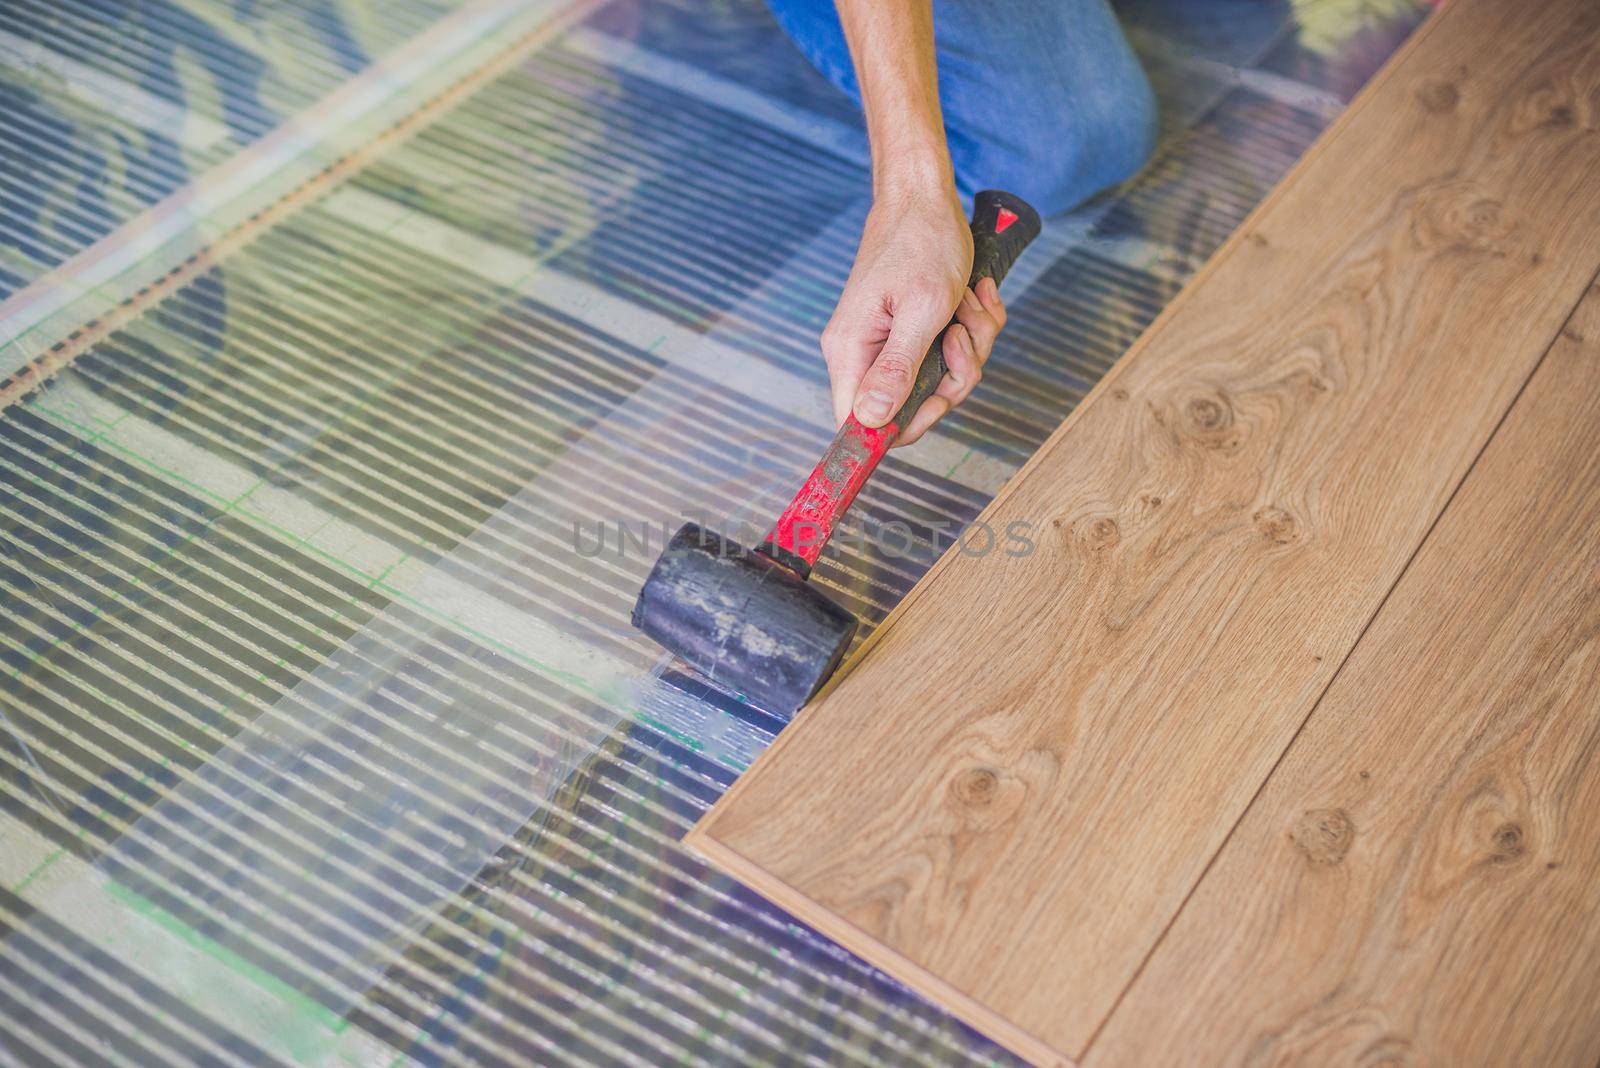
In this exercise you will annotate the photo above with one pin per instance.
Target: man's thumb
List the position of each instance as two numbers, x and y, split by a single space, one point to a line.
887 383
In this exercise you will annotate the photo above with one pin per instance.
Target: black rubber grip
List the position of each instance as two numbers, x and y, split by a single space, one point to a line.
1002 226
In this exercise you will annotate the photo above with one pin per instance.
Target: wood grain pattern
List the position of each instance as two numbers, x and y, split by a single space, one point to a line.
1417 882
1006 801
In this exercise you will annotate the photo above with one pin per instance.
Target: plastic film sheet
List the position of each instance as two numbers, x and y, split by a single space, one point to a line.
110 107
326 739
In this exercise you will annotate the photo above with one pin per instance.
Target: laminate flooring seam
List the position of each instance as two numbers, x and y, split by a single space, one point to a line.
1317 704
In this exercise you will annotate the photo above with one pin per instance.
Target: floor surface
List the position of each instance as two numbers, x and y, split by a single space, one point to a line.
326 738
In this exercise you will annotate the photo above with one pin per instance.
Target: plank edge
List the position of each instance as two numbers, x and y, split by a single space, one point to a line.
943 995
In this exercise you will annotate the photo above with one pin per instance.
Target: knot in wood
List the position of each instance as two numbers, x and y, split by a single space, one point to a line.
1102 533
1276 525
1323 835
1483 214
1207 413
1438 96
1507 843
1209 420
1546 107
975 787
1457 216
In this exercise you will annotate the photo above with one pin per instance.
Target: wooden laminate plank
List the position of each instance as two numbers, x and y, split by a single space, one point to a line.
1417 881
1007 798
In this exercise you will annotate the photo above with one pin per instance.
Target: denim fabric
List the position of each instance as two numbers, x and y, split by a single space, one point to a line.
1041 97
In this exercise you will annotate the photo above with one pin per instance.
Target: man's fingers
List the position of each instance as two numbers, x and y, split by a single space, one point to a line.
848 348
887 383
875 395
967 345
989 296
963 364
982 324
963 370
844 394
844 379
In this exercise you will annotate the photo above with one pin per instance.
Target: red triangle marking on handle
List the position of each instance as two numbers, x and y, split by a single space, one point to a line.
1003 220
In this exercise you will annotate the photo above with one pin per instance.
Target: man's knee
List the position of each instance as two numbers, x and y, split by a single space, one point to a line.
1058 156
1063 116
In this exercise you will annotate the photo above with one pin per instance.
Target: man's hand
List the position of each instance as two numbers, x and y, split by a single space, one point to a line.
911 270
909 277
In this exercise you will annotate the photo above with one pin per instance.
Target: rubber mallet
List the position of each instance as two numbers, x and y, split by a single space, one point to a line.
748 618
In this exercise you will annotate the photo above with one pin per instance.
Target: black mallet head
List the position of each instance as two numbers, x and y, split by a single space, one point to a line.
746 621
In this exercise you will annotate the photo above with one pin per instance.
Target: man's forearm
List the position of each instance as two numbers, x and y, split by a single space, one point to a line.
891 45
915 254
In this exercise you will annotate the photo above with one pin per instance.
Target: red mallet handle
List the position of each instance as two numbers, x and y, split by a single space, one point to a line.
1002 226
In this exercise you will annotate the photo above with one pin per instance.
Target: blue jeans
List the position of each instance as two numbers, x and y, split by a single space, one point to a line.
1043 98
